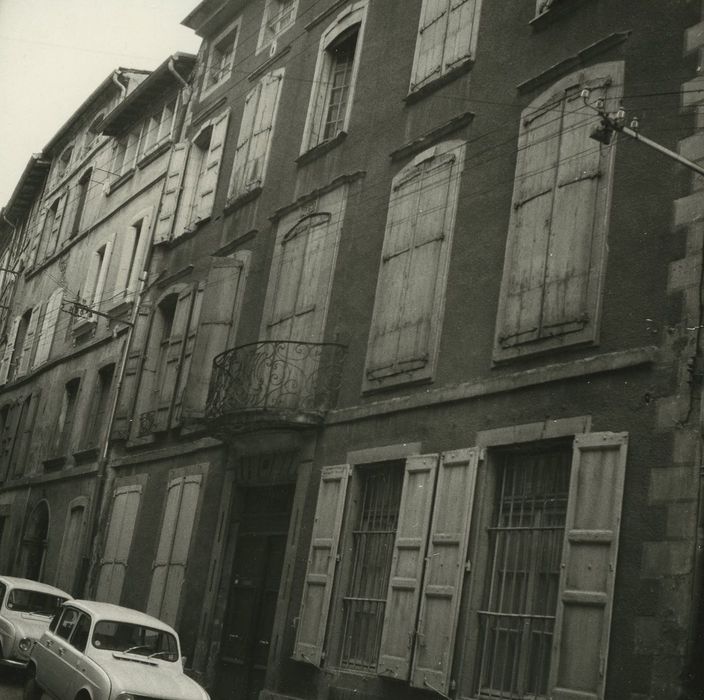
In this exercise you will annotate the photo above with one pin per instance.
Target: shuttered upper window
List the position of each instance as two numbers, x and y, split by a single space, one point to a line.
447 38
413 271
555 252
256 132
531 604
279 15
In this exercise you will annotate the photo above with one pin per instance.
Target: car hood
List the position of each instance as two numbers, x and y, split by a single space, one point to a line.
150 678
29 624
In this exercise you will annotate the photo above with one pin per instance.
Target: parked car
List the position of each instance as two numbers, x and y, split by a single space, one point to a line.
26 609
100 651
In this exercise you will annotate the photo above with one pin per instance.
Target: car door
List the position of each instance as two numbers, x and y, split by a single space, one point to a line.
82 670
53 669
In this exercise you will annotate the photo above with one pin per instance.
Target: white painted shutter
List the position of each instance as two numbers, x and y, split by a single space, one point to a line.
209 179
174 355
113 564
460 32
133 370
223 290
23 361
322 561
431 42
529 226
568 262
319 102
186 364
172 193
127 254
588 572
263 129
69 566
97 299
445 569
9 349
48 329
244 141
174 545
407 567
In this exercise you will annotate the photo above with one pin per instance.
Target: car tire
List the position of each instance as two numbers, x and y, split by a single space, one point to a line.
32 691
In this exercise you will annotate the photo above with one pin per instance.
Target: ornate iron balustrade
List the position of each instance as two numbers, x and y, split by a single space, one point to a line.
274 382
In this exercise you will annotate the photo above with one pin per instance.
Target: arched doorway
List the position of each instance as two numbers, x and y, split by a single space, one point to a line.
34 542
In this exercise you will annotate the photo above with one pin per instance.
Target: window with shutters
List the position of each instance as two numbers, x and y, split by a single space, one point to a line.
447 39
51 227
80 195
125 153
256 133
410 293
157 128
47 328
336 71
168 570
69 571
556 246
133 243
118 542
23 344
279 15
100 406
22 454
94 286
221 58
64 426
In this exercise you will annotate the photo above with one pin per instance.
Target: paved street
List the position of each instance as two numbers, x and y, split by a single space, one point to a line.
10 685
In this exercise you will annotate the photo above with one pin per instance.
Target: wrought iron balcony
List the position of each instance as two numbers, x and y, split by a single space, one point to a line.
274 384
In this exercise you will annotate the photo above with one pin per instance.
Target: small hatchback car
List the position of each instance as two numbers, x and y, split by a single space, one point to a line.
100 651
26 608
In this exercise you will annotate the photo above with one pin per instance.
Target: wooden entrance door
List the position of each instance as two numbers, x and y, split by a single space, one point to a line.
254 586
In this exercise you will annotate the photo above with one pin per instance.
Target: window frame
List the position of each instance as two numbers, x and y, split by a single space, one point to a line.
269 40
354 14
208 87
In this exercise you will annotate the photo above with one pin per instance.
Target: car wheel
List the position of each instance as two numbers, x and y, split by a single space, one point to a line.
32 691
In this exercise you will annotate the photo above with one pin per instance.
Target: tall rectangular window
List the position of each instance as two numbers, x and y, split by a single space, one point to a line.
100 406
64 430
80 195
221 58
279 15
556 247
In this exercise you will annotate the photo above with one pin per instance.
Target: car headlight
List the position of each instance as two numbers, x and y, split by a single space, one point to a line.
26 644
126 696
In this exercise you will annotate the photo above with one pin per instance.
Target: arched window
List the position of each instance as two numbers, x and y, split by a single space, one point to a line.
34 542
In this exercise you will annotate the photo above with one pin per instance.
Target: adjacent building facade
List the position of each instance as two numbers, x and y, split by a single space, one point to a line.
406 368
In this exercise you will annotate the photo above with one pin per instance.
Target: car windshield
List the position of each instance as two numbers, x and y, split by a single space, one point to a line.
22 600
135 639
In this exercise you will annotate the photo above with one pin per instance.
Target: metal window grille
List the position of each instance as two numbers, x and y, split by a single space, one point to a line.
372 551
526 534
339 84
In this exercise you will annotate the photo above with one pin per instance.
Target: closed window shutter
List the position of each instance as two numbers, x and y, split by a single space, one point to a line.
322 561
9 349
56 226
23 361
24 454
431 42
445 570
168 379
68 569
568 262
582 626
48 327
209 180
222 293
529 227
407 567
36 238
133 367
9 434
99 292
318 105
172 193
118 542
460 31
263 129
238 182
174 545
186 364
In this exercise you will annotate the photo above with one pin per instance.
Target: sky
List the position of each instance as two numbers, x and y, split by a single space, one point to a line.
54 53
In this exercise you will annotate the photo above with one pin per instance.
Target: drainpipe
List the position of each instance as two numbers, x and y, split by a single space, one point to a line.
187 94
116 79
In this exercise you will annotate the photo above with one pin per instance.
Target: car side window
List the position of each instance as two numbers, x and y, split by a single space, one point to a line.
67 623
3 589
55 620
81 632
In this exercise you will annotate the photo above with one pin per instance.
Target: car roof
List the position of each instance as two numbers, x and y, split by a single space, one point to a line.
116 613
29 584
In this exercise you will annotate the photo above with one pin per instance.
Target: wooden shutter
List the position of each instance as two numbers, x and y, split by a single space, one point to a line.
460 32
209 179
172 192
24 453
431 42
56 225
36 238
9 349
69 566
48 327
407 567
581 166
174 545
221 296
445 569
99 291
263 128
322 561
319 99
239 168
529 226
581 640
23 361
168 378
9 434
186 365
113 564
133 368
